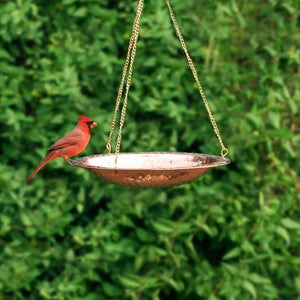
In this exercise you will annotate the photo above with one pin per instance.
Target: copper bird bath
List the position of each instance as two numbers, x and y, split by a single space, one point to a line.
150 169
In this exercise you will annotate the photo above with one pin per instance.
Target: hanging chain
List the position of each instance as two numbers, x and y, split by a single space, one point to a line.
131 46
129 62
135 33
224 150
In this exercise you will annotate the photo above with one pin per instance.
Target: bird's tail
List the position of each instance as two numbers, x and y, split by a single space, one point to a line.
50 156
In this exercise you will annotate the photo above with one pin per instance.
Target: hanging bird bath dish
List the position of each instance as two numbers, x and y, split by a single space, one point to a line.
150 169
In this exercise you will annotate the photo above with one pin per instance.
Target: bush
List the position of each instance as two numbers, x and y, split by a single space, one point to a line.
233 234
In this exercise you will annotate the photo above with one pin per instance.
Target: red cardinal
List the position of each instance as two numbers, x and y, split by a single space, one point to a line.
71 144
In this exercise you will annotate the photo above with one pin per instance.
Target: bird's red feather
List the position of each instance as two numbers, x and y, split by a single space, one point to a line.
71 144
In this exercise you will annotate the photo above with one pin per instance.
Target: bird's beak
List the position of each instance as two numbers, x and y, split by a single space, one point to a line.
93 124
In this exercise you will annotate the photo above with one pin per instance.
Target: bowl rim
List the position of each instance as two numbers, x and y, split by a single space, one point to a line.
219 161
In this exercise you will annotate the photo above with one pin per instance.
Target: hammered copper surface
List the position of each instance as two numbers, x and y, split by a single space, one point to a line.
150 169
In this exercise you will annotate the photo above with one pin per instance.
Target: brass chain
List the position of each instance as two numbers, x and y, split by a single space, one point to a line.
129 62
135 33
133 37
224 151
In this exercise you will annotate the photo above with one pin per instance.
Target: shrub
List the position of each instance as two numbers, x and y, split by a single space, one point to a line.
233 234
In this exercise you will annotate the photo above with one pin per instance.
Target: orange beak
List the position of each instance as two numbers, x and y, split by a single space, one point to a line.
93 124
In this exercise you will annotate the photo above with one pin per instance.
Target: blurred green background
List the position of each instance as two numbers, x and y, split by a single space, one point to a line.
233 234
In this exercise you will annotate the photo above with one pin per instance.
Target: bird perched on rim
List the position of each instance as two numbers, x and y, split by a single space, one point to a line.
71 144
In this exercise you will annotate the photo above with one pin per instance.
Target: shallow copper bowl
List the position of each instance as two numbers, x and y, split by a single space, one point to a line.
150 169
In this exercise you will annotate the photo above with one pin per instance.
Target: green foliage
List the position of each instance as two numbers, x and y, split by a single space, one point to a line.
233 234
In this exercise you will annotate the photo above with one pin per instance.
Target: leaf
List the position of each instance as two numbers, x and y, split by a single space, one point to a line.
161 227
93 256
111 290
280 133
70 255
25 219
255 120
289 8
129 282
250 288
207 229
4 54
290 224
80 207
287 146
232 253
274 117
45 294
139 261
293 106
145 236
232 269
284 234
174 284
31 231
256 278
297 283
92 296
247 247
81 12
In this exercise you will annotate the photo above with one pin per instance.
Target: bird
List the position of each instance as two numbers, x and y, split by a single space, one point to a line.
71 144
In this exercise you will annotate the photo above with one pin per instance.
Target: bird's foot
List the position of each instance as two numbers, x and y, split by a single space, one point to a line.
70 161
